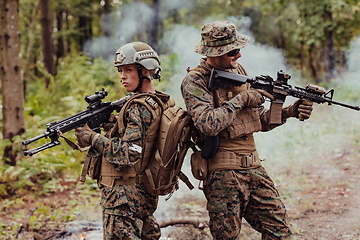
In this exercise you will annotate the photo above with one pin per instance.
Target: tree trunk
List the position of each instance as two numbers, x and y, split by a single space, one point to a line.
85 31
175 16
330 49
11 77
302 58
68 42
106 18
152 26
30 44
47 45
60 51
312 63
281 39
140 28
82 37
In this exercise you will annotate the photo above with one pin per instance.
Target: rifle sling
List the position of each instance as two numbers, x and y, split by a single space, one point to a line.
72 144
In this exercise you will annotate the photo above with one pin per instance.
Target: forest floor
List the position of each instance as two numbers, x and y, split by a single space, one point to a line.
326 207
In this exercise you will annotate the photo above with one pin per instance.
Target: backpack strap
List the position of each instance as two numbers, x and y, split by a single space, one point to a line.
156 107
150 101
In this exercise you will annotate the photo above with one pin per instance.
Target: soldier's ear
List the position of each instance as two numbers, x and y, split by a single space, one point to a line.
144 71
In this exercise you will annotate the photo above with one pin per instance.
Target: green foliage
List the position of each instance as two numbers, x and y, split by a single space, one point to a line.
302 28
168 69
77 76
4 142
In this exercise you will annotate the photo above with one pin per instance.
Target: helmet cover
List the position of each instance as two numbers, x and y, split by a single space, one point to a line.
137 52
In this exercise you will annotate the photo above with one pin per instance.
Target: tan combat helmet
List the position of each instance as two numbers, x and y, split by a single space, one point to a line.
137 52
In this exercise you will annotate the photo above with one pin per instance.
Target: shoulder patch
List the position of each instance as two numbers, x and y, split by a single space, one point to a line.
198 92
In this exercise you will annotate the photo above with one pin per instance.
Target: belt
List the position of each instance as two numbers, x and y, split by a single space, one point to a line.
225 160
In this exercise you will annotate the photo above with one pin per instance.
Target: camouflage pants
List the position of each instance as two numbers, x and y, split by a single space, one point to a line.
128 213
127 227
234 194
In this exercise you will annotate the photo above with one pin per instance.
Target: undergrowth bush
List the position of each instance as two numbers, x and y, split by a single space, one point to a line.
77 76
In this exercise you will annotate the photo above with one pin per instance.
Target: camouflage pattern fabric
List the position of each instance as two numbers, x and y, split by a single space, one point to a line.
116 150
128 209
128 213
234 194
219 38
199 103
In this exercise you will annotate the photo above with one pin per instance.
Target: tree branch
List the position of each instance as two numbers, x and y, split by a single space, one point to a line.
199 223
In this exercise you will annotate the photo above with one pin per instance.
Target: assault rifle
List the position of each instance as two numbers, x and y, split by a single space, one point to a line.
95 116
280 89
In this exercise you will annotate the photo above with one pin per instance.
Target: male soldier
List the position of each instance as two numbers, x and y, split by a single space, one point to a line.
127 208
237 185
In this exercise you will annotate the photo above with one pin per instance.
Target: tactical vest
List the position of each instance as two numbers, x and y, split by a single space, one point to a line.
155 104
247 121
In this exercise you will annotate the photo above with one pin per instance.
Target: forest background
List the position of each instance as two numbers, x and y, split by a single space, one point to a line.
53 53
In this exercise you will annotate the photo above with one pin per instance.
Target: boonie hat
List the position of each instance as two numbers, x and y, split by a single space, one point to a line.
219 38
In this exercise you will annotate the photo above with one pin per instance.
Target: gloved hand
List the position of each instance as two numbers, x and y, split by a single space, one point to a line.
253 98
112 120
300 109
84 136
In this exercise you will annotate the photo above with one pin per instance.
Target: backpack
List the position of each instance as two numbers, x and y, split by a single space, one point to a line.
163 170
174 139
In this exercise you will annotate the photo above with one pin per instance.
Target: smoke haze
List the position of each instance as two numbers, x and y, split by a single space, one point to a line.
295 142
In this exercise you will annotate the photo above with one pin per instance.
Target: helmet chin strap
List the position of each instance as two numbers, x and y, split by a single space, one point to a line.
157 75
141 78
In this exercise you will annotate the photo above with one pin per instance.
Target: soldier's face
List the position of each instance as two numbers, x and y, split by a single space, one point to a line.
229 61
129 77
226 62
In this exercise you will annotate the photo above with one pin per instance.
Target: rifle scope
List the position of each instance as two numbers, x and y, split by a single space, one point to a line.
96 97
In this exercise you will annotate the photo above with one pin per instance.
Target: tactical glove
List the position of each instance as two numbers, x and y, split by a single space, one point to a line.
253 98
300 109
112 120
84 136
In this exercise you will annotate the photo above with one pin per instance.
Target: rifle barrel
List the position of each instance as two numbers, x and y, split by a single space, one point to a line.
343 105
41 148
26 142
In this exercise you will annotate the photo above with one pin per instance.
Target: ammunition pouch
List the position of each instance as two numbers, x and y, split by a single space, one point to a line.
92 166
111 177
199 166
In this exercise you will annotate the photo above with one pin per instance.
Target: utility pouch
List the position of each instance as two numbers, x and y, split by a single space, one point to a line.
92 166
199 166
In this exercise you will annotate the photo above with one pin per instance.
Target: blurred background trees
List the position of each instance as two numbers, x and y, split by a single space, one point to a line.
66 49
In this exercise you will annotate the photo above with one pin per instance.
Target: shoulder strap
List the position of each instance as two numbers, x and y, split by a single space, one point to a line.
156 107
242 70
150 101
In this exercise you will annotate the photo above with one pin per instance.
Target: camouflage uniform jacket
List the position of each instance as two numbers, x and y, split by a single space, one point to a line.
199 102
120 152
